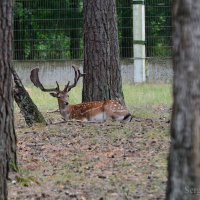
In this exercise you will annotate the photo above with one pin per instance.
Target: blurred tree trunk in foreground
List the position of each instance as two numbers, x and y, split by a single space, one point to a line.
101 52
184 158
7 132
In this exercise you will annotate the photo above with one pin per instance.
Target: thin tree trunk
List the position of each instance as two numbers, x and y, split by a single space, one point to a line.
101 52
7 132
27 107
184 158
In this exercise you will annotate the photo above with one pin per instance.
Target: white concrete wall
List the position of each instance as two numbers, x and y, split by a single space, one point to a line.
61 71
157 70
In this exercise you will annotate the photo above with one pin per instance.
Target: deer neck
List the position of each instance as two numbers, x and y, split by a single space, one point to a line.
64 108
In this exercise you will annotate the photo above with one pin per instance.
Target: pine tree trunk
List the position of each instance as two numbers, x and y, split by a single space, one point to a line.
27 107
101 52
184 159
3 171
7 132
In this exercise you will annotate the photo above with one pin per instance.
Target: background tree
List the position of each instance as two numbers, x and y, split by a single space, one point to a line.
101 52
184 159
7 132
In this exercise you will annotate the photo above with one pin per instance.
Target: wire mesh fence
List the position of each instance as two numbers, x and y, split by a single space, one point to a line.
125 27
48 29
158 28
53 30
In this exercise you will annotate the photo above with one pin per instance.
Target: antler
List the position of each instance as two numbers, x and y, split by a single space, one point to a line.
35 80
78 74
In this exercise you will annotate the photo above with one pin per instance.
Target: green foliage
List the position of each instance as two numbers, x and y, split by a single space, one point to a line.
125 28
49 29
158 28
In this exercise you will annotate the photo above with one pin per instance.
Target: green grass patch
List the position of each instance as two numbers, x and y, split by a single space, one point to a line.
142 99
147 95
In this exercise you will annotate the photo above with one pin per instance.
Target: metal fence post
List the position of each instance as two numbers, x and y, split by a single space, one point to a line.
139 40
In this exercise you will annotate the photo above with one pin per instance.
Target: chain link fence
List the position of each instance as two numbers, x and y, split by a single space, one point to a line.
158 28
48 29
53 30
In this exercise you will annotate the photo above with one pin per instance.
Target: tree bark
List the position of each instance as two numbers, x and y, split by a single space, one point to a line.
101 52
3 171
184 158
27 107
7 132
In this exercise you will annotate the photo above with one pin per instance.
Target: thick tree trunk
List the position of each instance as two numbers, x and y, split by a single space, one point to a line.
27 107
7 132
184 159
101 52
3 171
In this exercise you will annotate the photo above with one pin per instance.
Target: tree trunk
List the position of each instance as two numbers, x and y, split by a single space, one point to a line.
27 107
101 52
3 171
7 132
184 158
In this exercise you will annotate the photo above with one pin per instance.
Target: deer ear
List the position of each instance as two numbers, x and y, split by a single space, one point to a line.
53 94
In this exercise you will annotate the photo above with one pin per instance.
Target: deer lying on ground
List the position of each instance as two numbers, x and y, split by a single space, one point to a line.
94 111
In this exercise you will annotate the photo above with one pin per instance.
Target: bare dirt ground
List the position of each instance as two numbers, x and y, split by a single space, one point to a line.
86 161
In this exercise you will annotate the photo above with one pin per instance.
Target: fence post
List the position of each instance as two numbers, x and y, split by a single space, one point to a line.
139 40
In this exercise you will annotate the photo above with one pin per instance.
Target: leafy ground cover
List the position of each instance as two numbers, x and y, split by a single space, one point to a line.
100 161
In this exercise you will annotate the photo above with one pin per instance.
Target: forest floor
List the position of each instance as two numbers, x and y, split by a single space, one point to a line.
86 161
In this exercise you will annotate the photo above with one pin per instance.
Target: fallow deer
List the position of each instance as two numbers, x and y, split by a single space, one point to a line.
95 111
